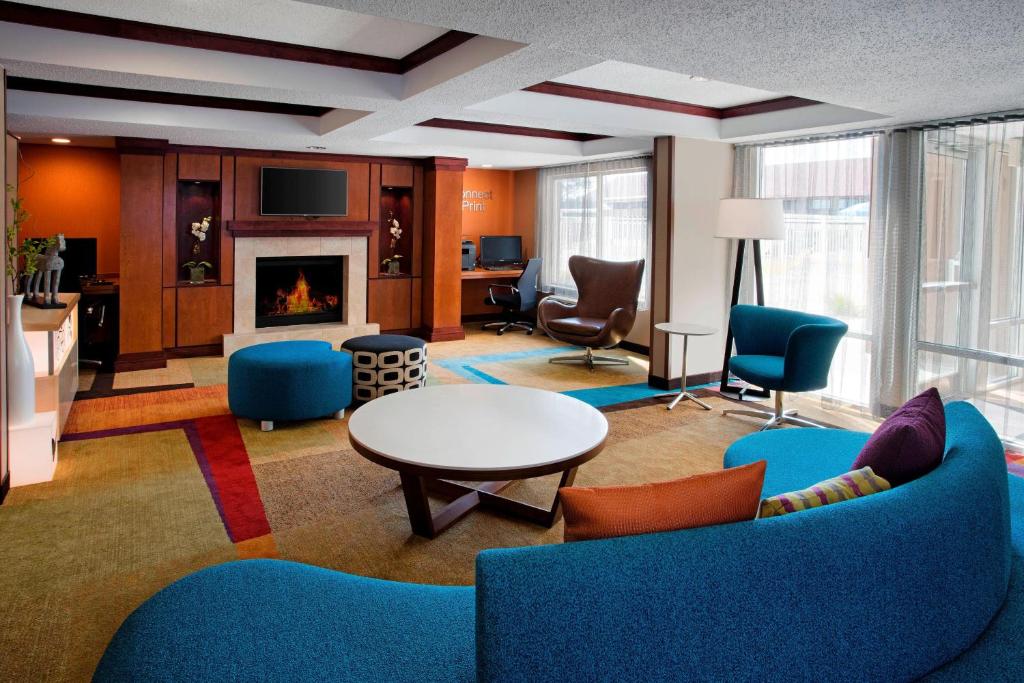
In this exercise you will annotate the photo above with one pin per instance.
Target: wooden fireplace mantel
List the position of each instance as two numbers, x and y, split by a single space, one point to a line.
300 228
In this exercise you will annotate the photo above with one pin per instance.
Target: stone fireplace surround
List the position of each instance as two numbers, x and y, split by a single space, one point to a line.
248 249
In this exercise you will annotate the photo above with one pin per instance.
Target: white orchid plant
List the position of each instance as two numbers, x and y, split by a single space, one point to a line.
200 231
396 231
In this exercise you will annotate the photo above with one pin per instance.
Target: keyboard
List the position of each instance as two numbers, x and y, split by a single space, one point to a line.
505 266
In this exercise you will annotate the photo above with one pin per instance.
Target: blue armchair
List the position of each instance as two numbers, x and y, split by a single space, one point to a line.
782 350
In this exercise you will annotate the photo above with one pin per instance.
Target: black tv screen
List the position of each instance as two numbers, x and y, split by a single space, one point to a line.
303 192
498 249
79 259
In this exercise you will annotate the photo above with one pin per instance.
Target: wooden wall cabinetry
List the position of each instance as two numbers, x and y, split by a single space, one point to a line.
390 299
205 314
141 338
165 188
442 253
199 167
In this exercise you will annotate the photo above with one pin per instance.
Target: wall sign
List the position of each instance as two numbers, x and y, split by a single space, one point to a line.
474 200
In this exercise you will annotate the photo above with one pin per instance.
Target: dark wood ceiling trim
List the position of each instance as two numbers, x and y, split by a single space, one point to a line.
778 104
182 37
127 145
482 127
438 46
187 100
597 95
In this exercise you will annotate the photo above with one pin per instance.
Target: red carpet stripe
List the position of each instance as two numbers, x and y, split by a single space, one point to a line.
232 477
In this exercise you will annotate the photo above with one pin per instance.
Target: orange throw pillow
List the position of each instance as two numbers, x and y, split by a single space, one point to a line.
731 495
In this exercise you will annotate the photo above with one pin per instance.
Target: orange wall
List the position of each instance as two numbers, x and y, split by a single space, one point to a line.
74 190
509 210
524 207
488 215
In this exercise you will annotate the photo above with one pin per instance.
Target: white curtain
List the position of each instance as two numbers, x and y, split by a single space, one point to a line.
970 331
599 209
915 238
823 265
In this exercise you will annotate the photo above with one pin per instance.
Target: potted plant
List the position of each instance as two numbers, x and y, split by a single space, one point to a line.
393 264
197 268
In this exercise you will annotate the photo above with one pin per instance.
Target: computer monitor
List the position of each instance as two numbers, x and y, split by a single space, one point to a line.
79 259
500 249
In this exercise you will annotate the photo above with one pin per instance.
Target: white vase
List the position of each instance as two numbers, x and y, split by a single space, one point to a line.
21 371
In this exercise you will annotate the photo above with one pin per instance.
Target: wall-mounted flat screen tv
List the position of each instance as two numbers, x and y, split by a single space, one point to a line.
303 192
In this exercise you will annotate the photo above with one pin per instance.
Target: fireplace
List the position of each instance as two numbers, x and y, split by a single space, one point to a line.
299 290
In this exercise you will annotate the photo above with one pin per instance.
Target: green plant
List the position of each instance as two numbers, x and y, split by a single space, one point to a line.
25 254
197 264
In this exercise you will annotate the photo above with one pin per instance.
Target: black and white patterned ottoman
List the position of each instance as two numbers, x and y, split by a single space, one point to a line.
384 364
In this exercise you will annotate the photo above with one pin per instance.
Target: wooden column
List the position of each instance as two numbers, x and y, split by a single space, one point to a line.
661 260
142 191
442 252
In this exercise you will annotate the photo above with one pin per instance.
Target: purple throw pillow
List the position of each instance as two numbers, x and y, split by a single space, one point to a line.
910 443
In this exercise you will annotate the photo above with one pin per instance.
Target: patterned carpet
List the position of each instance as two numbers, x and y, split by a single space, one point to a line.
156 480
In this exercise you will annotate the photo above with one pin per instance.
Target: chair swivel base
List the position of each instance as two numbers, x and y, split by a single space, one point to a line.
506 325
683 396
776 418
590 360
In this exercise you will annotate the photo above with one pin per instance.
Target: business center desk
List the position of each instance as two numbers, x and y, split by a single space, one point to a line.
484 274
474 291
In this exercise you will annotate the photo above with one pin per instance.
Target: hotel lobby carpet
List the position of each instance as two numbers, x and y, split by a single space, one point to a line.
153 485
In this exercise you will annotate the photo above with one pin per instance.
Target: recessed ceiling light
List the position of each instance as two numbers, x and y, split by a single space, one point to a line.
700 79
316 147
486 165
60 141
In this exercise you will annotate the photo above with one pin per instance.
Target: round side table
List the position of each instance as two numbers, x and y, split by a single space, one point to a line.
686 331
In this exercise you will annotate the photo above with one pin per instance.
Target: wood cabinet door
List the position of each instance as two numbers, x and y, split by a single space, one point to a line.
390 303
205 314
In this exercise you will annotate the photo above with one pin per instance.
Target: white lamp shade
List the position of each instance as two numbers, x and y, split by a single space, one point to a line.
752 219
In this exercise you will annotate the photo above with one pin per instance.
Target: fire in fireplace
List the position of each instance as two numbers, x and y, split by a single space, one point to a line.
299 291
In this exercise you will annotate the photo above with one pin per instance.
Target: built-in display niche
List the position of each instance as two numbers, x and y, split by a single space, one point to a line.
299 290
396 205
197 200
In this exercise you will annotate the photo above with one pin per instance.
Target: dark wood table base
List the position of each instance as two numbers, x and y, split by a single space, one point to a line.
465 499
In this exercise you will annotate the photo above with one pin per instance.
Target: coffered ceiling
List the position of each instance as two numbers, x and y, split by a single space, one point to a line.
361 76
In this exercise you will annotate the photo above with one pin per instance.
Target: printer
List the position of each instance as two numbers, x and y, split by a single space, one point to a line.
468 255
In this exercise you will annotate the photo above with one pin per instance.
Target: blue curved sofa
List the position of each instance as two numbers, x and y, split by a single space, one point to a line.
886 587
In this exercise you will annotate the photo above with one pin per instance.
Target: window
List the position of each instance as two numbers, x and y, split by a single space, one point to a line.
971 299
823 265
600 210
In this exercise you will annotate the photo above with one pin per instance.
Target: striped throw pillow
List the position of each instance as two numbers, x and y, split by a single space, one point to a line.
862 482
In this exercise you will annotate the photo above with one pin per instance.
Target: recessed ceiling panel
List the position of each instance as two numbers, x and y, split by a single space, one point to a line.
665 85
283 21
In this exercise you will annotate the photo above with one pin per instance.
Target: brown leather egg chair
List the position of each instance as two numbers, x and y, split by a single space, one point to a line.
603 314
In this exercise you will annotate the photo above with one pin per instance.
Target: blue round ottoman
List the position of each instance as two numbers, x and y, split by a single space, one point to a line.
289 380
385 364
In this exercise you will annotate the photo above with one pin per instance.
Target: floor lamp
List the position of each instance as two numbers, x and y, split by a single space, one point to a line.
742 220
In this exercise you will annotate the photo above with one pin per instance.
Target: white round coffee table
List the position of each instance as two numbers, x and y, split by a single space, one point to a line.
476 432
685 330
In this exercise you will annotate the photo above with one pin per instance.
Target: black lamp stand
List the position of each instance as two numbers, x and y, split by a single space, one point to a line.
731 390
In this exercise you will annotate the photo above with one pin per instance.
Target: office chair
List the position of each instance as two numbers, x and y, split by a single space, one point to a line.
782 350
604 313
514 300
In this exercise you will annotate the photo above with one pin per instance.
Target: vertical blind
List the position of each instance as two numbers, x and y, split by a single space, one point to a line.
598 209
